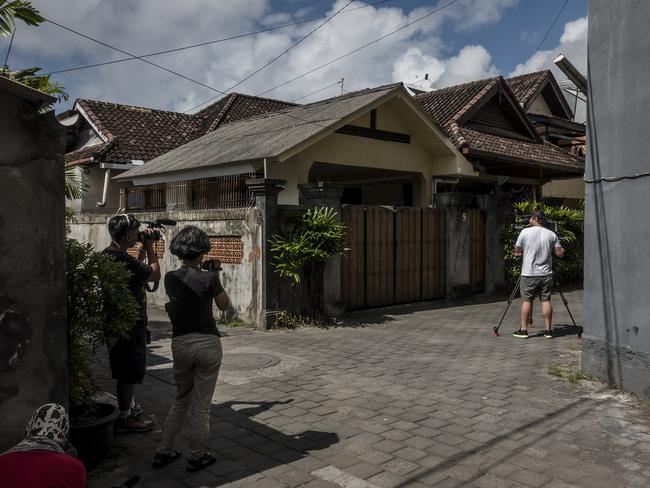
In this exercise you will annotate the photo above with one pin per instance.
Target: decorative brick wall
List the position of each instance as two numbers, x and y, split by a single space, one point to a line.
227 249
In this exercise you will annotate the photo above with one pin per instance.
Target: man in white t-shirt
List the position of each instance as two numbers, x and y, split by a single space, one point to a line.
537 244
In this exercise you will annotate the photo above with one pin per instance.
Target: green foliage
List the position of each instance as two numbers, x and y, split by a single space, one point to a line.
570 230
74 185
101 311
17 10
315 236
42 83
568 373
288 320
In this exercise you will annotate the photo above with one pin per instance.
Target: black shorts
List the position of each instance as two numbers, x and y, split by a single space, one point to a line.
128 358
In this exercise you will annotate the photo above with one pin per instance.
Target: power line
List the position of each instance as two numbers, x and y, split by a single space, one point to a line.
206 43
359 48
274 59
135 57
290 47
317 91
551 27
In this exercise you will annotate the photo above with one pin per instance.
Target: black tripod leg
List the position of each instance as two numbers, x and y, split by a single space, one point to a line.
512 297
566 305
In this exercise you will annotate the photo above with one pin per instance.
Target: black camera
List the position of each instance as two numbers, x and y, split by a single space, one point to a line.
158 227
211 265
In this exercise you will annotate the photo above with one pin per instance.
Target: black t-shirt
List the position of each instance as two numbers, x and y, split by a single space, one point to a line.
139 275
191 292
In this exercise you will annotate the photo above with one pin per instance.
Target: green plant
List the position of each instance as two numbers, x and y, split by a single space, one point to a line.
568 373
570 230
17 10
313 238
100 311
42 83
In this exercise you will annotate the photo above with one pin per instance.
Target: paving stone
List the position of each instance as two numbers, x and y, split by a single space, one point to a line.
363 470
388 480
375 457
400 466
529 478
410 454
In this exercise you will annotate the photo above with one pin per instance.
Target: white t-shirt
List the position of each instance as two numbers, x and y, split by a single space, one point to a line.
538 244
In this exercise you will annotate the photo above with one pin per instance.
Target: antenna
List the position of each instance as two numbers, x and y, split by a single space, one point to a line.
572 73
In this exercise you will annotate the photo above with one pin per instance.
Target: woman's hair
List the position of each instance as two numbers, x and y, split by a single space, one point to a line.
120 225
189 243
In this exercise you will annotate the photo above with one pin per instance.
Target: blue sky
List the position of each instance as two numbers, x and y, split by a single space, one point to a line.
468 40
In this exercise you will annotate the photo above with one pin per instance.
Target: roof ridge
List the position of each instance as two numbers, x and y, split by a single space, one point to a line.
125 106
491 82
459 86
531 74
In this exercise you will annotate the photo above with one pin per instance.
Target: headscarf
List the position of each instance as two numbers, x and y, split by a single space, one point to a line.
47 430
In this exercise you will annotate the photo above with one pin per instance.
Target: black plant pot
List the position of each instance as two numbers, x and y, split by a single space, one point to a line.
92 436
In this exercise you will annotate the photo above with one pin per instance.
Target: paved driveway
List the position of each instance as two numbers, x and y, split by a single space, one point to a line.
409 396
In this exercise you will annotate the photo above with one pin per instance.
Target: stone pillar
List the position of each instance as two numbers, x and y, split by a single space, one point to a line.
33 331
265 191
496 210
457 249
323 194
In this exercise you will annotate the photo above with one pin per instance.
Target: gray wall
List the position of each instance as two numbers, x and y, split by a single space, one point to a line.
616 344
241 281
33 339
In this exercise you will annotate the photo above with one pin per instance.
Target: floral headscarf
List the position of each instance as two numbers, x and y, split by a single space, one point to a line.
47 430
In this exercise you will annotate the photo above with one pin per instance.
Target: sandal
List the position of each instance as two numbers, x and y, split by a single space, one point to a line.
162 459
204 460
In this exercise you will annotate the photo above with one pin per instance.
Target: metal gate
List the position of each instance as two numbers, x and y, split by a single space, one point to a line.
477 256
394 256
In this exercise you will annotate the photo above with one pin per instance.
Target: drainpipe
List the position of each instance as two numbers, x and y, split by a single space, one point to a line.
264 168
107 180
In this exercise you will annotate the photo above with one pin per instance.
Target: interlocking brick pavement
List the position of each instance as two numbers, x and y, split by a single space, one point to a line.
410 396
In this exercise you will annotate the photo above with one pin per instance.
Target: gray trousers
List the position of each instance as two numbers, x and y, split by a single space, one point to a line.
197 358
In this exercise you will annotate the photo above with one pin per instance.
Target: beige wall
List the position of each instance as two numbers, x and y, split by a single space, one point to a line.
427 155
573 188
539 106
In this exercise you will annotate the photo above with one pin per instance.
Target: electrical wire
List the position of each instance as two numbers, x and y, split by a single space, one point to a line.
206 43
274 59
610 179
354 51
317 91
548 31
134 56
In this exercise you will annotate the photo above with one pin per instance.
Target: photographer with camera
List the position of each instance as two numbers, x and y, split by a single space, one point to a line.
196 346
128 357
537 244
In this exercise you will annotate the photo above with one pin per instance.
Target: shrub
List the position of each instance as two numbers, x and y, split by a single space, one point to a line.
570 230
313 238
101 310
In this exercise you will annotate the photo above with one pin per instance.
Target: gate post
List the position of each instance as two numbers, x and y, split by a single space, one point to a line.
495 208
324 194
265 285
457 250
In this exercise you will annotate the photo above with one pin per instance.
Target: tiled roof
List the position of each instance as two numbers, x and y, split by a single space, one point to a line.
85 153
448 105
139 133
264 136
525 87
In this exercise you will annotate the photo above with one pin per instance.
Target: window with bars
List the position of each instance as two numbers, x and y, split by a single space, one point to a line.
220 192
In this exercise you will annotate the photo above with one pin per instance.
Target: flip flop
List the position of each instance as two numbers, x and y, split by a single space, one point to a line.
162 459
194 465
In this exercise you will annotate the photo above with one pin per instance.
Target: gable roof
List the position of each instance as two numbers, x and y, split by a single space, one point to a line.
140 133
528 86
452 108
271 136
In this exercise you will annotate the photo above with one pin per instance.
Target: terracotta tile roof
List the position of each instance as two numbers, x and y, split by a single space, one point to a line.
139 133
448 105
84 154
525 87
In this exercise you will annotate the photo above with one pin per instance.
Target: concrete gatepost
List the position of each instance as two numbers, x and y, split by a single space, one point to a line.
265 286
457 283
33 327
323 194
496 210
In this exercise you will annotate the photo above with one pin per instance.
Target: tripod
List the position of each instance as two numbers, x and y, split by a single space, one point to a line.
556 286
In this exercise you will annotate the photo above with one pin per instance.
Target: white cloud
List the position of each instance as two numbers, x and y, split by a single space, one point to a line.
573 44
154 25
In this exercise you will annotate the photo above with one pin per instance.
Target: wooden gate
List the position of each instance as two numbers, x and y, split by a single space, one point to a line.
393 257
477 256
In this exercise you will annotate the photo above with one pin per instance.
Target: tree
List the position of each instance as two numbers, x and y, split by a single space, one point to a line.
41 83
18 9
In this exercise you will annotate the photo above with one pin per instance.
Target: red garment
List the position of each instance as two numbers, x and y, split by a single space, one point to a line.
41 469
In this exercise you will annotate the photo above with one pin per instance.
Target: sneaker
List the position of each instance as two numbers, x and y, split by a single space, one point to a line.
137 410
132 424
163 458
522 334
548 334
204 460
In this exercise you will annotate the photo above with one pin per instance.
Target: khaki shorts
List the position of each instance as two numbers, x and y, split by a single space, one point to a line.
532 286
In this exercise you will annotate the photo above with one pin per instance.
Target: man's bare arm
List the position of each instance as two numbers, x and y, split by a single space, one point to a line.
222 301
559 251
518 251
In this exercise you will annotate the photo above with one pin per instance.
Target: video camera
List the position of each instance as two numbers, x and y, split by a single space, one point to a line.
158 227
521 221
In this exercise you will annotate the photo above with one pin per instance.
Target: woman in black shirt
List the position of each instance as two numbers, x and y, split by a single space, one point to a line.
196 347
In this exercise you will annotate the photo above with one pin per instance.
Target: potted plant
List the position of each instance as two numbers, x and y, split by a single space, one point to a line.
100 311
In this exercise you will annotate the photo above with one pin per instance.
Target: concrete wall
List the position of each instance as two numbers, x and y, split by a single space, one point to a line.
572 188
616 344
33 338
239 280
